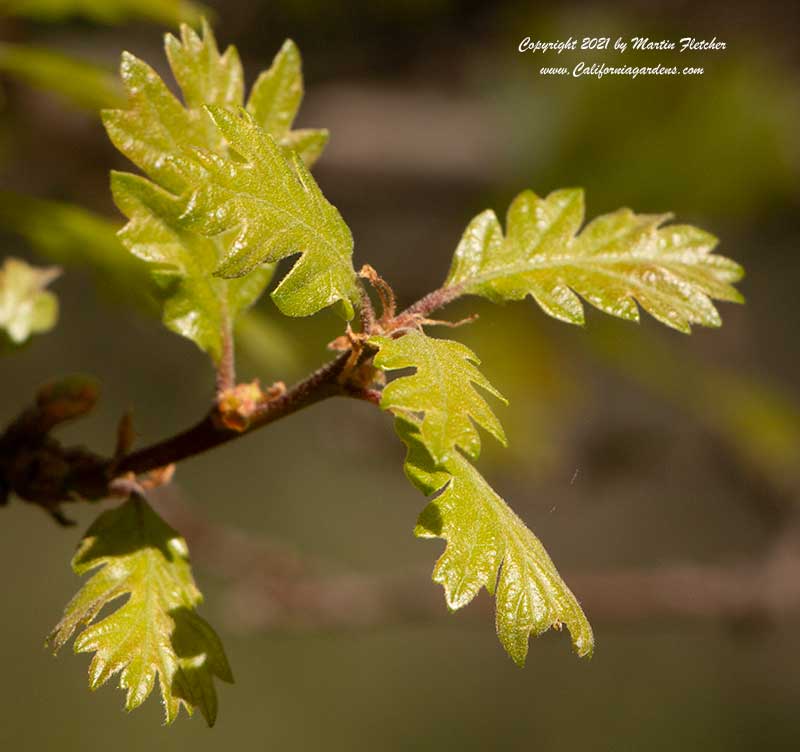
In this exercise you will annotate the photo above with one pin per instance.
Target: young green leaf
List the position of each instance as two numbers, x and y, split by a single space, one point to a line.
26 308
204 76
197 304
161 136
489 546
443 388
275 99
617 260
276 209
156 127
156 631
70 235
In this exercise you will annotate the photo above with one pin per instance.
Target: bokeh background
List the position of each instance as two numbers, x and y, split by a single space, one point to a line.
661 471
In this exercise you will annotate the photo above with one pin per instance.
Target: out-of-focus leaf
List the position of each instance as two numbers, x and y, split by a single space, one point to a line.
26 308
617 260
542 381
272 208
758 420
82 84
170 12
197 304
268 346
442 388
156 631
489 546
71 236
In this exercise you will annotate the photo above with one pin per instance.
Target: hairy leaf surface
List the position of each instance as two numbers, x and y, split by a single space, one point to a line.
26 308
618 259
489 546
443 388
275 100
197 304
276 209
156 631
156 127
162 135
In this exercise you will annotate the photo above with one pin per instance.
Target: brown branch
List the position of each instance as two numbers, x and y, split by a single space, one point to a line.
208 433
226 368
39 470
324 383
433 301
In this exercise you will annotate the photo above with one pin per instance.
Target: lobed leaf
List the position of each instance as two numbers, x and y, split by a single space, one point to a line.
155 632
275 100
276 209
162 136
197 304
617 260
488 546
442 388
156 127
26 308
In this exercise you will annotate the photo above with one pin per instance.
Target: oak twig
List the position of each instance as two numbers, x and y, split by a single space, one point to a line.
39 470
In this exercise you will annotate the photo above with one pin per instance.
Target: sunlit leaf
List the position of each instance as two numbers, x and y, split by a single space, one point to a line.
155 632
156 127
488 546
617 260
275 209
443 388
26 308
162 136
275 99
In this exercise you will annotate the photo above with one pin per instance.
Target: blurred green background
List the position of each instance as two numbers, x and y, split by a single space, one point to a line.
633 449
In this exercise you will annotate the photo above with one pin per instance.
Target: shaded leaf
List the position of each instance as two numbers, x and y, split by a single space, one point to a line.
107 11
81 83
26 308
197 304
618 259
489 546
443 388
155 631
70 235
